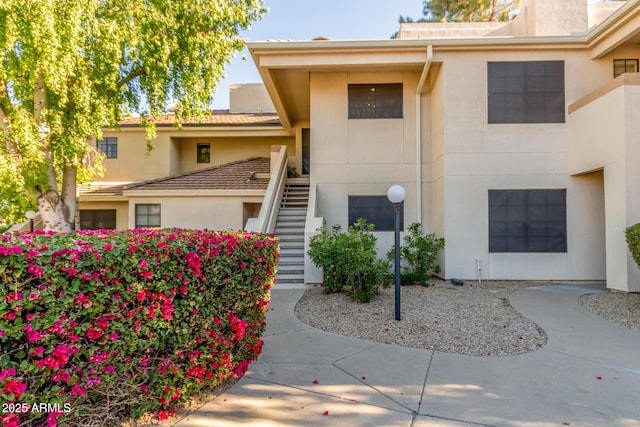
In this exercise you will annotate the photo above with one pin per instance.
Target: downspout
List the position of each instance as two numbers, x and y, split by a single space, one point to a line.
419 90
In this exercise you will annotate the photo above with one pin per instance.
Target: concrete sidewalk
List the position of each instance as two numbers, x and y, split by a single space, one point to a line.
588 375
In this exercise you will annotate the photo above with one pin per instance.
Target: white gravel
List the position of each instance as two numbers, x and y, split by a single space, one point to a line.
617 307
474 319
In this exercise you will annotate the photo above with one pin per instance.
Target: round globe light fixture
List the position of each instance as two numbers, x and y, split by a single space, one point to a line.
31 215
396 194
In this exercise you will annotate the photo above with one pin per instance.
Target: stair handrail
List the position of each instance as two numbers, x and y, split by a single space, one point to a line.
266 220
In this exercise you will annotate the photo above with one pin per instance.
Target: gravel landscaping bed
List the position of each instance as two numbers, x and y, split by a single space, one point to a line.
617 307
474 319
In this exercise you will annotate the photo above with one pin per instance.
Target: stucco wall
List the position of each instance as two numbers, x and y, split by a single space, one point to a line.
133 162
604 136
214 213
363 156
226 150
480 157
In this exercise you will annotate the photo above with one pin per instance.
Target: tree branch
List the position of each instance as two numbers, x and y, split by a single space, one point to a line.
133 75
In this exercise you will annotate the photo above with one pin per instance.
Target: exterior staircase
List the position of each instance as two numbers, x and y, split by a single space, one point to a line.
290 230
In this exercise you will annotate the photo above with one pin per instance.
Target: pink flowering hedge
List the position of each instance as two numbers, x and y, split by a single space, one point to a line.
97 327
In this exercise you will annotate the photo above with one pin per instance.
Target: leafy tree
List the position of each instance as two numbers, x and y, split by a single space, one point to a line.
466 10
69 68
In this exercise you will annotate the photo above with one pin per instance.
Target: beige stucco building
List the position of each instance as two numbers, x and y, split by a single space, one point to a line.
517 142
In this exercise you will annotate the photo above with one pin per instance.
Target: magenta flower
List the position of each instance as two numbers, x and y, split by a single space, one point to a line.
15 387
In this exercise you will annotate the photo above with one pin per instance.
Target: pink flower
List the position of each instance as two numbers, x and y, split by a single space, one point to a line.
113 336
52 419
143 263
76 389
13 297
10 420
9 316
93 334
15 387
7 372
325 413
316 381
37 351
72 272
108 369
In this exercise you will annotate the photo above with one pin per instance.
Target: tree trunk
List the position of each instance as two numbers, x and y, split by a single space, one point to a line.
69 194
44 132
52 211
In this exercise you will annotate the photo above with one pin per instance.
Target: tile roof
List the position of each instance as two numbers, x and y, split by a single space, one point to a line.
102 188
217 118
231 176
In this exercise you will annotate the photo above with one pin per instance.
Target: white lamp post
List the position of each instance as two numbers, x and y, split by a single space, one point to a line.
396 194
31 215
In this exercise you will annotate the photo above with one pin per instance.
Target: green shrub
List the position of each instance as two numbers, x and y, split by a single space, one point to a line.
418 255
633 241
349 260
113 325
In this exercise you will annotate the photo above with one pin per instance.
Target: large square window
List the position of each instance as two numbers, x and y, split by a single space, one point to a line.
526 92
528 220
375 101
377 210
147 215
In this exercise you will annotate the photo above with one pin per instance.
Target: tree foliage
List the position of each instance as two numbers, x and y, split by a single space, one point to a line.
466 10
69 68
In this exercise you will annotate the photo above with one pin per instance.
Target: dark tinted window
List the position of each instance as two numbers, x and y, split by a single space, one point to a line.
375 101
109 146
526 92
377 210
527 221
98 219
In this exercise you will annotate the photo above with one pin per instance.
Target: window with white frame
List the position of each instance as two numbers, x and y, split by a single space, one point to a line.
148 215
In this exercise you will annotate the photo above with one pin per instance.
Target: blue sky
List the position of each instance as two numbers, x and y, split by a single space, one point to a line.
306 19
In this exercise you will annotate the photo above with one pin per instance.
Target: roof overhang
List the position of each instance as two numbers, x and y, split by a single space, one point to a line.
285 66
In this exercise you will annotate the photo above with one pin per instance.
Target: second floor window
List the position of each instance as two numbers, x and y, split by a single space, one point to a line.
204 153
621 66
109 146
526 92
375 101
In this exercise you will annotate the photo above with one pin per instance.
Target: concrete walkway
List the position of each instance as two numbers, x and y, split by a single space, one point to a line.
588 375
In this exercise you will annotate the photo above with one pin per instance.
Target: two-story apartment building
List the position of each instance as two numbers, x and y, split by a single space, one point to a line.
517 142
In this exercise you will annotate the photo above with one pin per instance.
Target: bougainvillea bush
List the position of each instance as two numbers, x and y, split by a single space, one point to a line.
100 327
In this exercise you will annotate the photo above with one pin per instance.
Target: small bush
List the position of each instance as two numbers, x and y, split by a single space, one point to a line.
349 260
418 255
107 326
633 241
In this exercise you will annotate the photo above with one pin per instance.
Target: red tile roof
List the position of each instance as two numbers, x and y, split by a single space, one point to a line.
217 118
231 176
